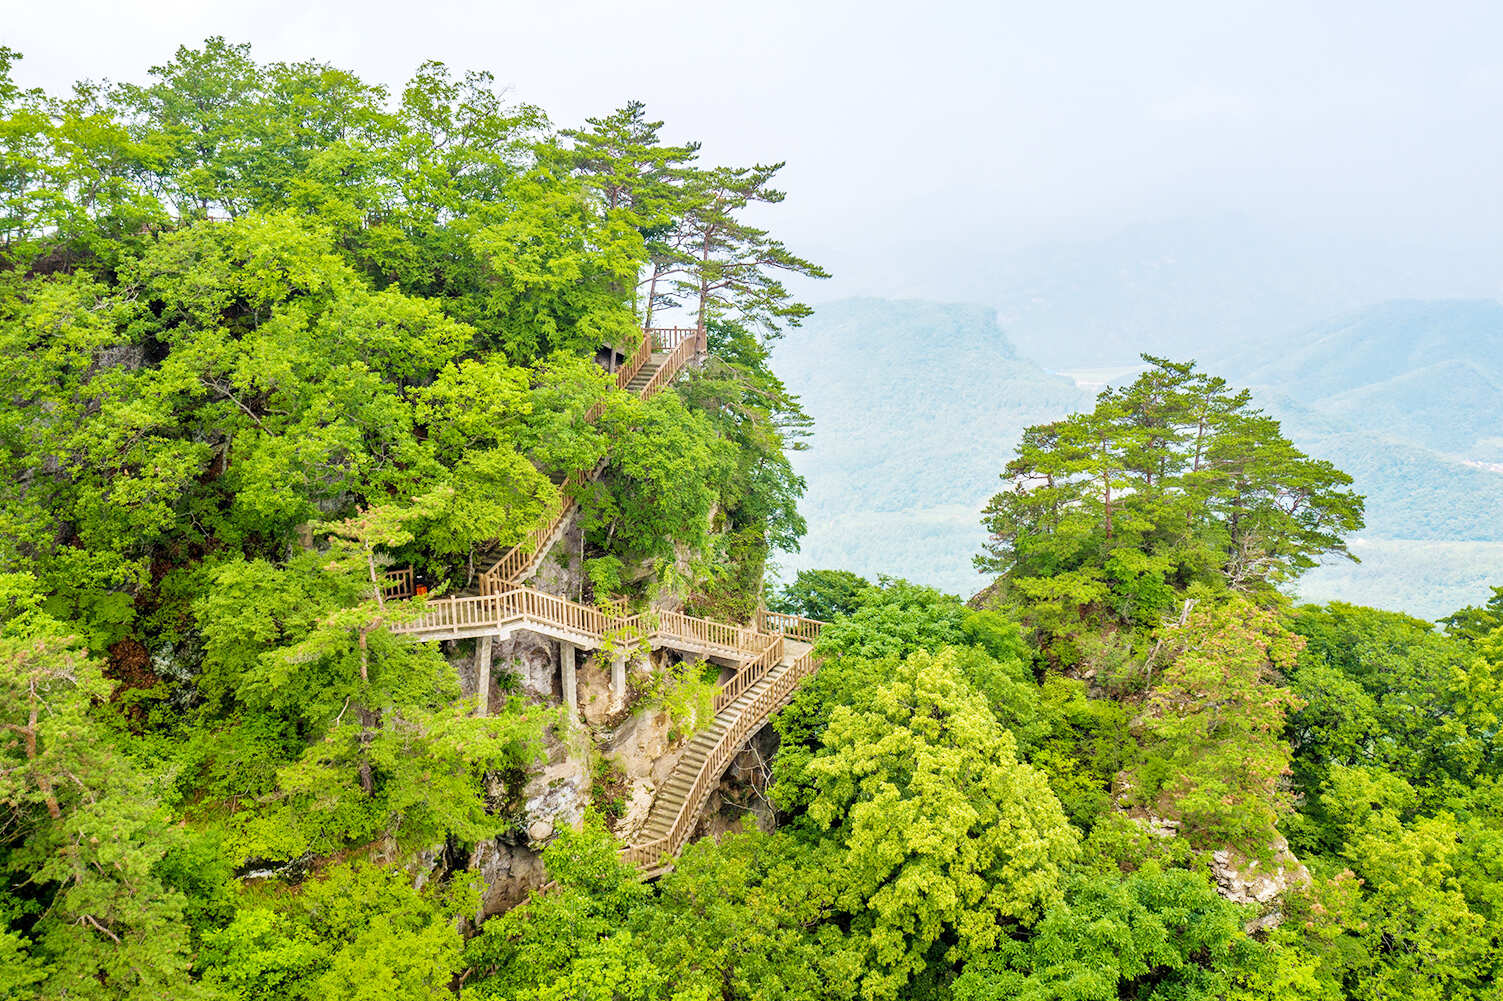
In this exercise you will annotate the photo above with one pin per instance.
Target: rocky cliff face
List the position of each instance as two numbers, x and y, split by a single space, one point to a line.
740 802
1245 880
1255 881
635 738
639 739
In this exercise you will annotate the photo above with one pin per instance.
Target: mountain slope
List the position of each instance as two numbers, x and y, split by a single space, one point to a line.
1452 406
1374 345
917 406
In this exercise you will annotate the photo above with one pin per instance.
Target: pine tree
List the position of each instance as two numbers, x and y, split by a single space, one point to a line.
735 265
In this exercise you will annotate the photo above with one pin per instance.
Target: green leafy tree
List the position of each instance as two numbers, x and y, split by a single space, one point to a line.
1171 483
1475 622
361 931
1155 933
637 178
88 833
1414 913
821 594
1213 743
1385 690
729 268
946 836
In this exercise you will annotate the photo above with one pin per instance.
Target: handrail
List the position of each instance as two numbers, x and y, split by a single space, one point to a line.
668 338
626 373
512 601
396 584
795 626
750 673
666 371
511 604
682 343
649 854
454 613
706 631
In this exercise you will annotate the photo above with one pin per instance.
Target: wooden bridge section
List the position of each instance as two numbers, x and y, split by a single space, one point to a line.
770 657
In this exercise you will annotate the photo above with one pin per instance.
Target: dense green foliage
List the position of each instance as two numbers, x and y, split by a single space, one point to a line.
1172 488
267 330
960 828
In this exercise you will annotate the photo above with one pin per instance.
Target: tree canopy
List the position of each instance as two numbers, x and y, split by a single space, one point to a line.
268 331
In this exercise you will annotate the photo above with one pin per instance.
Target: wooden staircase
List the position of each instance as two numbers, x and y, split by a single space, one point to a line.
645 374
772 656
675 809
670 799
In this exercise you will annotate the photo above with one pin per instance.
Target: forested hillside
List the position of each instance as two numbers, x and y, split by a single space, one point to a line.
267 330
912 403
292 364
1403 396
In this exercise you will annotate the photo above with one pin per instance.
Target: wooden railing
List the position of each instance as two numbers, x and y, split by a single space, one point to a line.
795 626
561 612
668 338
397 583
706 632
510 605
510 602
627 372
749 673
455 613
682 343
666 371
649 855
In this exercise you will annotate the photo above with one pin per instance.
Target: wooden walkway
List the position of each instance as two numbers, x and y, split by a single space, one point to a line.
771 656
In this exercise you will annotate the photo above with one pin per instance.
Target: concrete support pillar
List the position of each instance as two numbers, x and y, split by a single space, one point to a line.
618 680
483 675
566 662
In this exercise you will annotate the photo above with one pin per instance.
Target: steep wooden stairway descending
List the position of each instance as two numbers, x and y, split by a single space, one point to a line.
660 355
772 656
675 808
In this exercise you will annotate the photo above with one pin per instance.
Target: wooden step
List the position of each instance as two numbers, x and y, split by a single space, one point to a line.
674 792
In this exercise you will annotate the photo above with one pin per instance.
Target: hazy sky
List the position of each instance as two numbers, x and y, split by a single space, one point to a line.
923 137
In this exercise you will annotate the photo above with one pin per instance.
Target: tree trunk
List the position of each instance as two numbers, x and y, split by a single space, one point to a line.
29 736
652 293
367 719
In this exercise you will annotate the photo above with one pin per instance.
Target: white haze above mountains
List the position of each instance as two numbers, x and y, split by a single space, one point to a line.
918 405
1204 287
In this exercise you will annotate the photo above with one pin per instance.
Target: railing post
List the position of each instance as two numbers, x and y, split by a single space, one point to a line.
569 679
483 675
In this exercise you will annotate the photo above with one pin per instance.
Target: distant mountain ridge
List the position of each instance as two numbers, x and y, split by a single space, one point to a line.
1375 344
918 405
